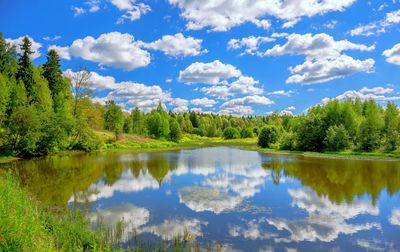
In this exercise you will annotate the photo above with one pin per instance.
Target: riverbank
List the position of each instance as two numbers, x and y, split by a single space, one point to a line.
134 143
26 225
138 143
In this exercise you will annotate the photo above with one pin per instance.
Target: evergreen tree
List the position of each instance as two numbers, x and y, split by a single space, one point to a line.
53 74
25 70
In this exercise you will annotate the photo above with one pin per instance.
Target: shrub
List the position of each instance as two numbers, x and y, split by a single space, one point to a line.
246 133
231 133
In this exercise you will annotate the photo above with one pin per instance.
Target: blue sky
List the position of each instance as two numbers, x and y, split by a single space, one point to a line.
245 57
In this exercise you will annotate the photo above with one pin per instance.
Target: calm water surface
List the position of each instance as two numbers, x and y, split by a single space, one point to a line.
243 199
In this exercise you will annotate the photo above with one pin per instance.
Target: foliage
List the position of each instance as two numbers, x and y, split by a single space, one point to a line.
231 133
113 118
337 138
25 70
175 133
158 124
24 130
268 136
246 133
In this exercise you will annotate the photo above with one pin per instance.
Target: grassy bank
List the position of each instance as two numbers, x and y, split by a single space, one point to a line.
339 154
25 225
135 143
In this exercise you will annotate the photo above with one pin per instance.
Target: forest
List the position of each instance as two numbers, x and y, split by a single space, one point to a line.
43 110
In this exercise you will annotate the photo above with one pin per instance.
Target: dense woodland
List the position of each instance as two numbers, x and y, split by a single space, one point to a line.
44 111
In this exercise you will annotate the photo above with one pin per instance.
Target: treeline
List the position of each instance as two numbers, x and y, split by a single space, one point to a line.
336 126
43 111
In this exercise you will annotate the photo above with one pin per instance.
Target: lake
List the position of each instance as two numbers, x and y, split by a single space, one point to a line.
245 200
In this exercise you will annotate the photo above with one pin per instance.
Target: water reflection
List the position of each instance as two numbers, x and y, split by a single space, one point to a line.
339 179
240 198
324 220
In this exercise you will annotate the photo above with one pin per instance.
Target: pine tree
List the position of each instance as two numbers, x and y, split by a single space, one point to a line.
25 70
53 74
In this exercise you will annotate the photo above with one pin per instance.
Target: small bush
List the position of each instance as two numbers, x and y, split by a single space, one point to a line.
246 133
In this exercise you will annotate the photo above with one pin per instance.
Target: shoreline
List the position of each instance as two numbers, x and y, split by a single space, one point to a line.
200 142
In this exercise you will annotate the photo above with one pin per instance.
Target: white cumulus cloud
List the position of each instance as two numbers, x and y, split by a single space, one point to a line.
325 60
222 15
177 45
393 55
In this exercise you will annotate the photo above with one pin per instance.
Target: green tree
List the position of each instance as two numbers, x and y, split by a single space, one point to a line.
158 124
337 138
138 122
114 118
57 84
53 74
43 102
4 97
8 62
311 132
24 131
268 136
175 133
391 128
17 96
25 70
194 119
369 134
231 133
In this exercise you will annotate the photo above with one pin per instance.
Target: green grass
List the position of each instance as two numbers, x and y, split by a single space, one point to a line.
25 225
350 154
